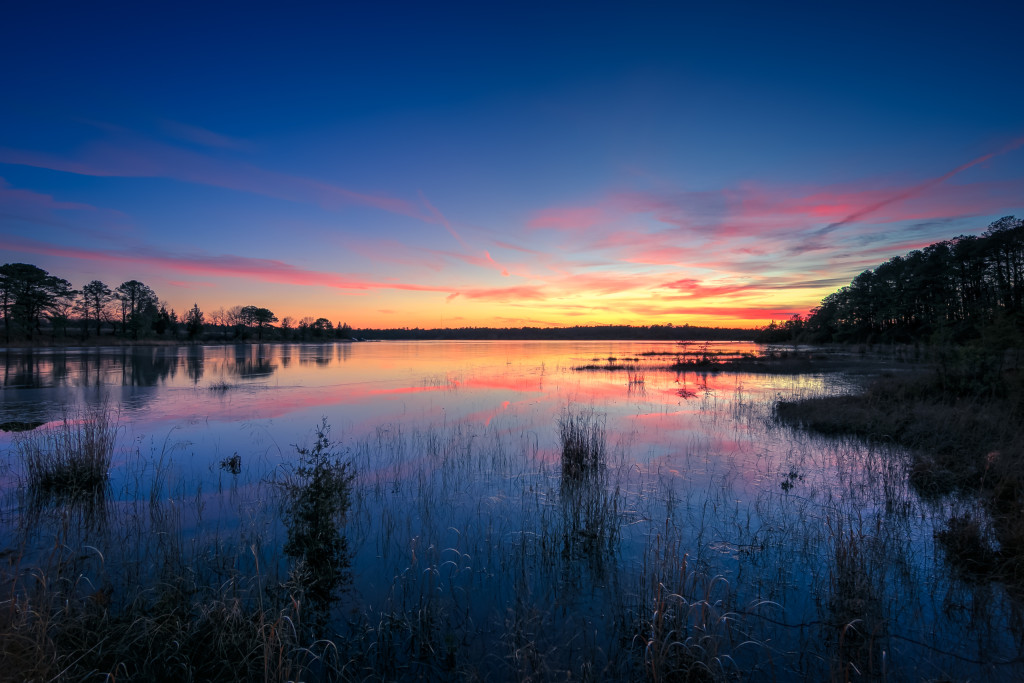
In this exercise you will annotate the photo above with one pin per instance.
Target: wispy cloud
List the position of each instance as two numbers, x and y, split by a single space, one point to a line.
225 265
11 196
131 156
202 136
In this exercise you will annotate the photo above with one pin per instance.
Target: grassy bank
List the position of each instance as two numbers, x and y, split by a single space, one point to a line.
962 422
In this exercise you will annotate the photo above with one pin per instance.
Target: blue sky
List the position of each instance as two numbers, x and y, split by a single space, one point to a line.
488 164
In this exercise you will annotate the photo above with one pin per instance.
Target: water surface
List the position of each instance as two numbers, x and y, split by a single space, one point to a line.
787 540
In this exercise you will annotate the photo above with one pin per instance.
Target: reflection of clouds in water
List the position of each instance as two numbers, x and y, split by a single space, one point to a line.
362 385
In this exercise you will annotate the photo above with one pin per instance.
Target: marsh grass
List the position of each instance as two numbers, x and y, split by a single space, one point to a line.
855 604
139 598
581 434
503 551
963 424
70 459
968 546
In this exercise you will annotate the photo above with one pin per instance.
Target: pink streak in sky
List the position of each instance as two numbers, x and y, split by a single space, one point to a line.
224 265
567 218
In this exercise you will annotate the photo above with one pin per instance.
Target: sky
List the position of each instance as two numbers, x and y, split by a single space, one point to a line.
503 164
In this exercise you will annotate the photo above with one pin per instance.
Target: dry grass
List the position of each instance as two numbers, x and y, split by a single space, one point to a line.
581 433
963 425
72 458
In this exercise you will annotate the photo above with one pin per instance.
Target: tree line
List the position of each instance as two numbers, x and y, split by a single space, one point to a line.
667 332
35 304
957 290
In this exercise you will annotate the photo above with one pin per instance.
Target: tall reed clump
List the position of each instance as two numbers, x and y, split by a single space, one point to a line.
70 459
856 598
682 629
582 437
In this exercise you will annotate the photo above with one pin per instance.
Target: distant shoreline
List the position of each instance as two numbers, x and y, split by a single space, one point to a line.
157 343
653 333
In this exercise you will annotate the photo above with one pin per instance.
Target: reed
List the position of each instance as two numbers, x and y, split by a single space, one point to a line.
581 433
72 458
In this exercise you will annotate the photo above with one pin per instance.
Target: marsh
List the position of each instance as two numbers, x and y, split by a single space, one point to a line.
702 540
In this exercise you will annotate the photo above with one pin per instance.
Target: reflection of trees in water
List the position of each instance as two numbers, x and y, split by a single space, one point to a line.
195 363
32 368
21 369
129 366
38 381
324 355
251 361
147 367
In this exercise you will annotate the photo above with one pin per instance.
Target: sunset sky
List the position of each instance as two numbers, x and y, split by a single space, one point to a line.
503 164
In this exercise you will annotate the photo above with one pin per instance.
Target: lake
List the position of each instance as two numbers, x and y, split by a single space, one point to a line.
707 537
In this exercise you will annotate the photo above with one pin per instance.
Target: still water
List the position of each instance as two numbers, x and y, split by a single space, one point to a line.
258 400
808 558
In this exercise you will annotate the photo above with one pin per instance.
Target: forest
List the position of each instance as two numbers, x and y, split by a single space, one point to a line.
959 290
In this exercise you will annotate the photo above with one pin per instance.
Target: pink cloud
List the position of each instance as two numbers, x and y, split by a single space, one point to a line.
495 263
567 218
504 294
266 270
691 287
753 313
770 221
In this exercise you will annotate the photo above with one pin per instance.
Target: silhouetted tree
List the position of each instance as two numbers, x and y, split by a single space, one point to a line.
95 298
237 317
956 288
138 306
28 293
62 306
166 321
321 327
194 321
259 317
